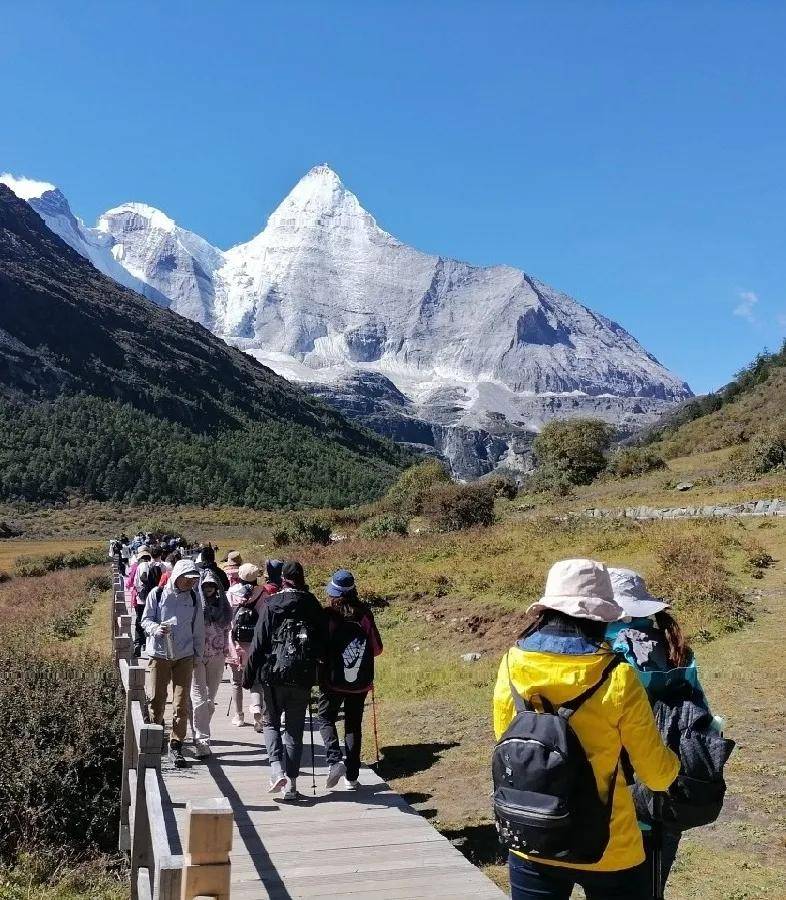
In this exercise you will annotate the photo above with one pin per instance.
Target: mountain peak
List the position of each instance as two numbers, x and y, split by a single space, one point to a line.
322 172
155 217
26 188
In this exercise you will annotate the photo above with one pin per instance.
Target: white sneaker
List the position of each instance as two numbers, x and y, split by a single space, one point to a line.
291 792
239 720
337 772
351 785
201 749
277 779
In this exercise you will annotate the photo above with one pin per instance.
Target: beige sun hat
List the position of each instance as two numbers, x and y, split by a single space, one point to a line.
580 588
248 572
142 551
235 558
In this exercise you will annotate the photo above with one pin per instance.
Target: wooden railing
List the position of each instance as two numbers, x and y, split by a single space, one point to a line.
157 871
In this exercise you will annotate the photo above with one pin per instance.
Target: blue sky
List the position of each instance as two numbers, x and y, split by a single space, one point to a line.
632 154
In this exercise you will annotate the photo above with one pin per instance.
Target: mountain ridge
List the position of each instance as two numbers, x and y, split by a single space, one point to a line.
323 293
66 330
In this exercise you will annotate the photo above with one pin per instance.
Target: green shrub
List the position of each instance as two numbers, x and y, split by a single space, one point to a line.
452 507
35 566
767 452
60 751
407 494
503 486
694 579
574 448
630 461
548 479
381 526
303 531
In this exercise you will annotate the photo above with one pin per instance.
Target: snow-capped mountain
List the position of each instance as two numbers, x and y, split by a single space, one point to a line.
324 295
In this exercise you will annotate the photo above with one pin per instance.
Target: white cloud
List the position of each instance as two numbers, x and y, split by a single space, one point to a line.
25 188
746 308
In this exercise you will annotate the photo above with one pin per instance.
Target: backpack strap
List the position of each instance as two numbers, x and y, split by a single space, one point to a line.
521 703
566 710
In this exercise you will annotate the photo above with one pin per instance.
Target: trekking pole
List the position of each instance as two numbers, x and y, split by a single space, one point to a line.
311 729
374 717
657 847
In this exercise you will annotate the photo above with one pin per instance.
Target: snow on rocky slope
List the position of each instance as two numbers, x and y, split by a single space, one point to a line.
431 351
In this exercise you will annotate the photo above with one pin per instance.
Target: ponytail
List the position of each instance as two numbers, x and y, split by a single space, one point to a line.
349 605
677 648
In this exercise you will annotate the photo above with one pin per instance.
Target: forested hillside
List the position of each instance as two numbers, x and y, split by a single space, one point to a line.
106 395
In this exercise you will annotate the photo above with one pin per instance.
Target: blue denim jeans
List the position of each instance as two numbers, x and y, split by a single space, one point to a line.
534 881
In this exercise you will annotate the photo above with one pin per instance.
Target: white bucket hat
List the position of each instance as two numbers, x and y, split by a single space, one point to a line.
632 595
580 588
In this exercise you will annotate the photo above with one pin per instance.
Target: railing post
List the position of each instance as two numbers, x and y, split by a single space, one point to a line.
136 693
148 757
206 868
124 648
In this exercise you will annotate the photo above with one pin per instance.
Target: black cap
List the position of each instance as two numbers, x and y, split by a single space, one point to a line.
292 571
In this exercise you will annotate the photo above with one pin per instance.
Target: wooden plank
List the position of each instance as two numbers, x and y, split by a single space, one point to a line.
143 889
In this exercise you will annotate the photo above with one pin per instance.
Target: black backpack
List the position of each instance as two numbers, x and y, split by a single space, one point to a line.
149 582
350 657
292 660
696 796
245 623
546 801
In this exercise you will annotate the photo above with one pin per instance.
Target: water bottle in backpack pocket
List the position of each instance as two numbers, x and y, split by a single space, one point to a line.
546 801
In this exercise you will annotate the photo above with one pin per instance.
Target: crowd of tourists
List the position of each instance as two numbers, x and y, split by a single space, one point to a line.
606 747
195 618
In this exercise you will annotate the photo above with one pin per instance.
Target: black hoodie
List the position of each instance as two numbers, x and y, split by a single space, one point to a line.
289 603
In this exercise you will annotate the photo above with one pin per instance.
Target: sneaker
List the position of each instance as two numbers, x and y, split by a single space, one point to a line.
277 779
176 755
337 772
351 785
291 792
258 727
239 720
201 749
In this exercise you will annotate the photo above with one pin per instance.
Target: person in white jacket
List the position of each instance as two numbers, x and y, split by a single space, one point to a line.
175 629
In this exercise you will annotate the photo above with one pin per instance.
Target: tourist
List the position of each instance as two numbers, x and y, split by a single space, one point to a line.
247 599
347 676
209 669
232 566
651 640
562 663
207 562
272 583
289 642
175 629
169 563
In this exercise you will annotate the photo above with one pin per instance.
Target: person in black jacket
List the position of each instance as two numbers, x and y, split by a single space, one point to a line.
289 642
207 563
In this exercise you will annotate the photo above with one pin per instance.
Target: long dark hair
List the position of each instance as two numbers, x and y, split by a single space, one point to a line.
594 632
677 647
348 605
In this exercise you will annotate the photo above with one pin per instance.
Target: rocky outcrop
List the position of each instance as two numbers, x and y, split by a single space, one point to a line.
709 511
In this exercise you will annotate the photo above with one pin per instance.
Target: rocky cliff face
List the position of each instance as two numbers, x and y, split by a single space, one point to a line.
479 356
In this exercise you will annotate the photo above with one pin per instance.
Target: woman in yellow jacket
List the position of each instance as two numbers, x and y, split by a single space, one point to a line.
560 654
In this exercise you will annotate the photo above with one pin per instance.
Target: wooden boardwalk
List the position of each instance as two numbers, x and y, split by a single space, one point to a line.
365 843
368 843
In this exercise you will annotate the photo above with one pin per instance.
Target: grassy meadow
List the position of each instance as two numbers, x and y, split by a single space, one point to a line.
439 596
